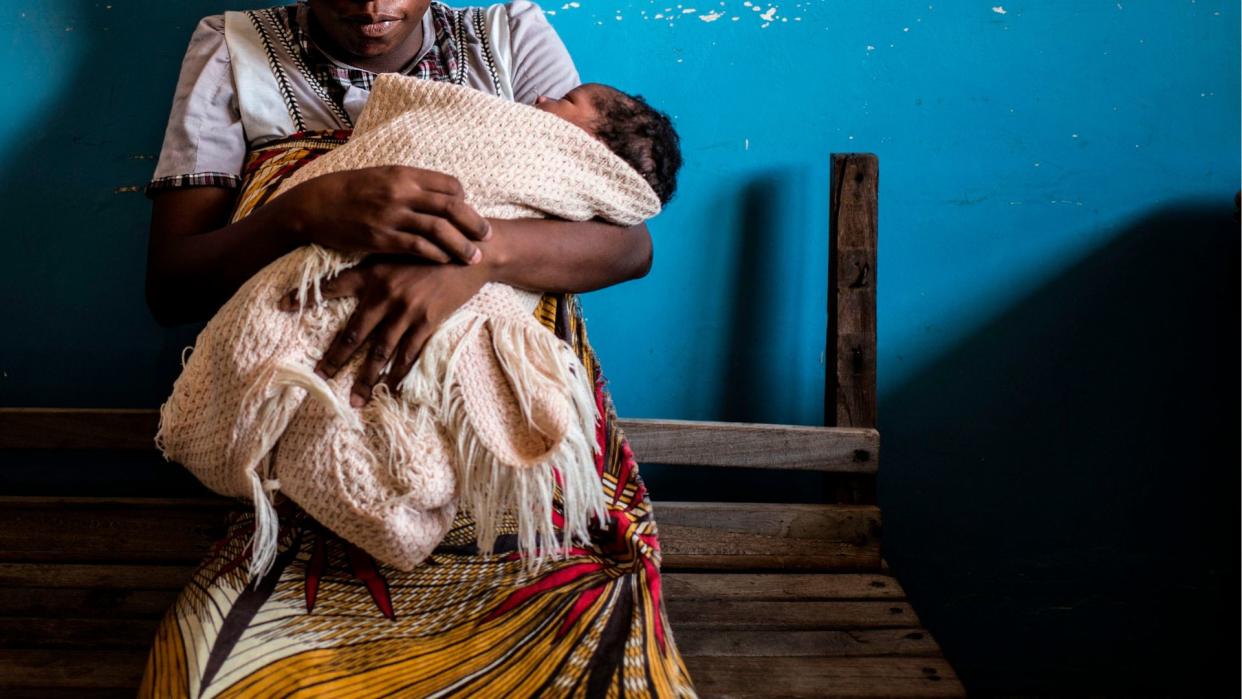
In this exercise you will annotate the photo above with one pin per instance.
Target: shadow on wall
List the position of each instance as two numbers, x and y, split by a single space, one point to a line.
778 284
768 342
1060 491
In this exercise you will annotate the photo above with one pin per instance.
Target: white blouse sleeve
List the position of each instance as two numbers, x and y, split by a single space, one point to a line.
541 63
204 143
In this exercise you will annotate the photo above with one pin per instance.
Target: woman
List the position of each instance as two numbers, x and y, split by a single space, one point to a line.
260 94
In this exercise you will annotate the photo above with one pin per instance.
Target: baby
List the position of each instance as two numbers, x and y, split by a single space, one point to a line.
639 134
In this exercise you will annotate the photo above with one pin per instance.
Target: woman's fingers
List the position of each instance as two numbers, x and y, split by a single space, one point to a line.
407 352
356 331
407 243
347 283
383 343
415 228
453 209
423 179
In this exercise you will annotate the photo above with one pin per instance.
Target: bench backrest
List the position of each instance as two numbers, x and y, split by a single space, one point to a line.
841 531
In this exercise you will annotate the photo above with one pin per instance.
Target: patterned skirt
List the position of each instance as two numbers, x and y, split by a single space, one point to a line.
330 621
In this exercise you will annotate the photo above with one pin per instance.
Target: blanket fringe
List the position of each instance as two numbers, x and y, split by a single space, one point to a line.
268 397
533 362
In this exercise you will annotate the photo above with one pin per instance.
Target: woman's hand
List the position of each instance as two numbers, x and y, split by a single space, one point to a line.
400 305
389 209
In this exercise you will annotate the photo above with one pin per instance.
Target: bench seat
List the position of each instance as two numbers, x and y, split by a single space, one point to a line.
747 624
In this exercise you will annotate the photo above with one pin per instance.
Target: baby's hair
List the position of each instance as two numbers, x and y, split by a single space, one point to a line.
642 136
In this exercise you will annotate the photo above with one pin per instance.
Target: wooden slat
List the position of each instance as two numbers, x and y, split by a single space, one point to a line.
908 642
790 615
86 634
693 535
753 445
823 677
69 669
683 612
42 632
731 536
140 590
62 693
109 529
755 586
849 396
106 576
85 602
714 676
674 442
779 586
78 428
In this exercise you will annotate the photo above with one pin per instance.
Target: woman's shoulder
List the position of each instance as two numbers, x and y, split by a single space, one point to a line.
210 29
539 60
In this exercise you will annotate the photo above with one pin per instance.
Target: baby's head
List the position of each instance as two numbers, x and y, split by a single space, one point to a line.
641 135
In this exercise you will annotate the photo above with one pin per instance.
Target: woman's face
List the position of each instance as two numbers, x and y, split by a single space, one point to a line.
369 28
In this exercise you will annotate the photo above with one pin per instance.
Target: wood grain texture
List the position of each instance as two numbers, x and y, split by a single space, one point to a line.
69 669
754 445
730 536
740 677
755 586
81 633
849 394
790 614
907 642
674 442
112 634
97 576
714 676
58 603
78 428
704 535
781 586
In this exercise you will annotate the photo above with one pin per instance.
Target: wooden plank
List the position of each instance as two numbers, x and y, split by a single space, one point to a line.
40 632
756 586
115 529
85 602
741 677
849 395
95 576
693 535
780 586
86 634
751 445
66 669
790 615
713 676
674 442
731 536
684 612
78 428
51 693
909 642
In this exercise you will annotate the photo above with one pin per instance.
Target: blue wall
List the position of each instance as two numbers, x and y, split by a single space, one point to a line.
1057 279
1011 144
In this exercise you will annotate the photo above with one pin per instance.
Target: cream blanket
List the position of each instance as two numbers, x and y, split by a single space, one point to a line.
497 414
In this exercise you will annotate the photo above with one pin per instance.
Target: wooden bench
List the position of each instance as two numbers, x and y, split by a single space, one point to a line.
766 599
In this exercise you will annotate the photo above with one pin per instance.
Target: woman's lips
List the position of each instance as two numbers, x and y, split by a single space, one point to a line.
377 29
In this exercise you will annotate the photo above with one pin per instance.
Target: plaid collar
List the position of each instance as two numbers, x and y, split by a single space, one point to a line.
437 60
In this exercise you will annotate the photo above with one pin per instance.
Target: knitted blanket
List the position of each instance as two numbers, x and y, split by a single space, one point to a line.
496 417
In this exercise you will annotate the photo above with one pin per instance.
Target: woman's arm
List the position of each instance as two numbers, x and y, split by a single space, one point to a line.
400 304
572 256
196 259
